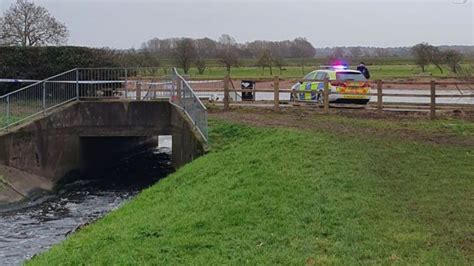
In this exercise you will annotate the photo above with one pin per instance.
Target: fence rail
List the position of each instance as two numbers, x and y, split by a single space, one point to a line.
432 95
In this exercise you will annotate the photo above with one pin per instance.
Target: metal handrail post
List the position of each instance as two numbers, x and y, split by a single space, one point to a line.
44 97
77 84
7 113
126 83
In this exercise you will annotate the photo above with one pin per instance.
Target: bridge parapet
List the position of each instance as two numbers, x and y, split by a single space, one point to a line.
101 84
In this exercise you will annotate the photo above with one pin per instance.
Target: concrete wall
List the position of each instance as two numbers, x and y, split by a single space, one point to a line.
187 143
80 134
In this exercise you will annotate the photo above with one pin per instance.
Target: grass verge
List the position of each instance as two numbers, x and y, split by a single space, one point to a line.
291 196
377 72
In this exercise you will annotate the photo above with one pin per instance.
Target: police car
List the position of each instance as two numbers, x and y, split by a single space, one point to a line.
345 86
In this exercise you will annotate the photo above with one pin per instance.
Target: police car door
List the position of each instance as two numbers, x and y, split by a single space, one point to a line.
306 85
320 76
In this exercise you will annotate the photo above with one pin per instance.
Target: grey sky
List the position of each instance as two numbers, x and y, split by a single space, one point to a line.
125 24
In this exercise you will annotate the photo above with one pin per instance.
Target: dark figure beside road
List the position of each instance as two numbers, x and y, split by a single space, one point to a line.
363 69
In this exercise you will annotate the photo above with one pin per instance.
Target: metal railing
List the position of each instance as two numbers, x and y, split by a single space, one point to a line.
101 83
38 98
184 97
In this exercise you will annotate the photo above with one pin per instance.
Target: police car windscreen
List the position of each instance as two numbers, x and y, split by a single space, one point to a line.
350 76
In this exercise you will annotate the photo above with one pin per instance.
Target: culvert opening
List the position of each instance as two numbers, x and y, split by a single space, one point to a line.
84 199
99 156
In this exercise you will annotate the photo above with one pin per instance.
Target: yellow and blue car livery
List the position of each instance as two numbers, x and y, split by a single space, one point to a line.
345 86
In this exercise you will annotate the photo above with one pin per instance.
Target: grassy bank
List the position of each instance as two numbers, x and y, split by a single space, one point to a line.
294 196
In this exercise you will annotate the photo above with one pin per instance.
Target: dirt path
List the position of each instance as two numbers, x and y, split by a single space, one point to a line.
350 122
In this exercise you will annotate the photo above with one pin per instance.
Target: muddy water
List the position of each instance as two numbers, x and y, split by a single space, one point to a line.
36 227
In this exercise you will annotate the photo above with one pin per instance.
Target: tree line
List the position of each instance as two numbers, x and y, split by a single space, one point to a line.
187 52
426 54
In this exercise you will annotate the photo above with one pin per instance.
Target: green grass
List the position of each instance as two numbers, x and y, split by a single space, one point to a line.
12 119
3 181
440 127
377 72
285 196
381 68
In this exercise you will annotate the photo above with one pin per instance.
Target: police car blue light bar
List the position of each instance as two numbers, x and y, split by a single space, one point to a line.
336 67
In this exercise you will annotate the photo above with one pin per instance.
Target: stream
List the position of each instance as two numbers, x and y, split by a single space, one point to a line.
34 228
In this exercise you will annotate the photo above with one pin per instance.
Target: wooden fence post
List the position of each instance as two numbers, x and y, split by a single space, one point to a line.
226 93
433 100
139 90
379 96
326 95
276 90
179 90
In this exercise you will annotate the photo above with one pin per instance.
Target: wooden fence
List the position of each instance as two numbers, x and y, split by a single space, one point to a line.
382 88
380 94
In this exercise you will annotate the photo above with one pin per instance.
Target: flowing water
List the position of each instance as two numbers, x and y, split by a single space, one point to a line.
34 228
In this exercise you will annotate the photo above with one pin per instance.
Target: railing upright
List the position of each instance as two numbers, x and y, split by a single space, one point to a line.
7 112
126 83
44 98
185 98
77 84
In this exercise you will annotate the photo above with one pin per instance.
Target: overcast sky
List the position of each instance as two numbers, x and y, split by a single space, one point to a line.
128 23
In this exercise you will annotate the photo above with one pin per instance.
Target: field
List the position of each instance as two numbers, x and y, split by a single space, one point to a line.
381 68
300 188
377 72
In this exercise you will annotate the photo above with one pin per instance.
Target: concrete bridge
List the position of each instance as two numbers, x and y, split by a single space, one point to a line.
91 132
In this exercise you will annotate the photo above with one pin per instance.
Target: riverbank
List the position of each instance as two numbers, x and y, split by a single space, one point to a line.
307 189
30 228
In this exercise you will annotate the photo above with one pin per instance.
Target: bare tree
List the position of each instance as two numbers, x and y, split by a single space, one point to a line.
437 58
228 52
26 24
338 54
302 49
356 52
278 60
381 52
206 47
229 57
201 65
185 54
422 53
227 40
164 48
265 60
466 73
453 60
